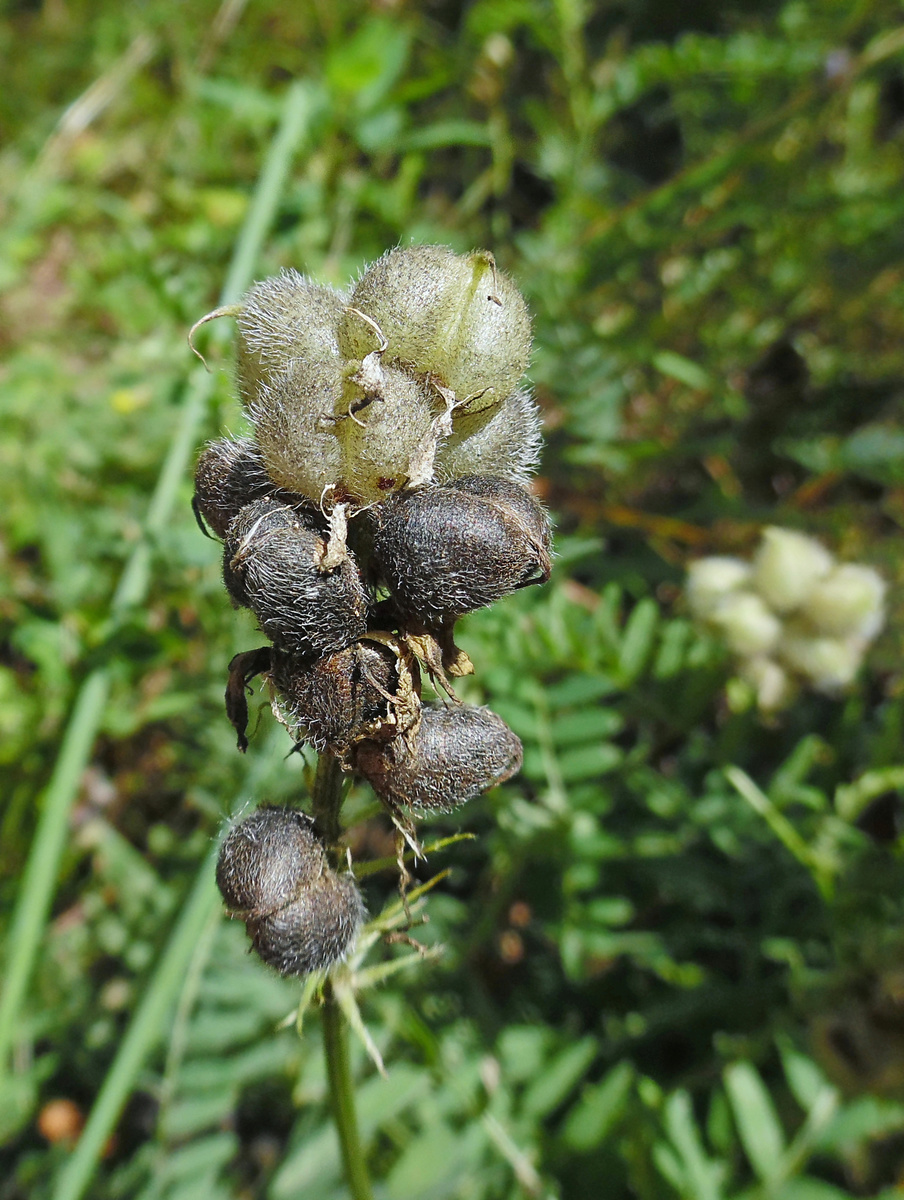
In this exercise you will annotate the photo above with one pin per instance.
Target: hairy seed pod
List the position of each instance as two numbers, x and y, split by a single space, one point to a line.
361 692
314 931
266 859
230 474
273 873
503 441
445 551
451 756
271 564
320 429
454 316
280 319
381 437
294 415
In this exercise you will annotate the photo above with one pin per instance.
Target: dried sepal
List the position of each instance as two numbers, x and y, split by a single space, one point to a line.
451 756
272 564
242 669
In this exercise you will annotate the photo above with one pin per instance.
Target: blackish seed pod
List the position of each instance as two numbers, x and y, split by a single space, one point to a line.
339 698
230 474
273 873
314 931
271 564
444 551
267 859
452 756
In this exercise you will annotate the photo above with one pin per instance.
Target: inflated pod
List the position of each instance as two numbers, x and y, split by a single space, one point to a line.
230 474
450 757
271 564
294 415
273 873
503 441
444 551
266 859
322 430
338 699
454 316
280 319
314 931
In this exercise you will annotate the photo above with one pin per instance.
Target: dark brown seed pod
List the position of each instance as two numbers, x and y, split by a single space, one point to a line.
267 859
450 757
272 564
273 873
444 551
314 931
230 474
364 691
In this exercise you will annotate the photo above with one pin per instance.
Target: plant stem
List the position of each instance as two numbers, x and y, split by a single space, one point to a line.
327 801
342 1095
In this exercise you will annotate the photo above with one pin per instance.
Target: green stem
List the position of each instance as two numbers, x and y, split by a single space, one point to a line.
342 1096
327 799
327 802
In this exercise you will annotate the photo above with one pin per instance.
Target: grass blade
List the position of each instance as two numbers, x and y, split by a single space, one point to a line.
36 893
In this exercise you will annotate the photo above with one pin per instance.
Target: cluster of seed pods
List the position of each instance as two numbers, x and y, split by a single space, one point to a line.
381 497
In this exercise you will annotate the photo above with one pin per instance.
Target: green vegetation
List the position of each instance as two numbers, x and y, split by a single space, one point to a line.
674 944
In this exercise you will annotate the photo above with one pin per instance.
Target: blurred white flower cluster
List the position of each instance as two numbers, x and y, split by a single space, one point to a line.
793 616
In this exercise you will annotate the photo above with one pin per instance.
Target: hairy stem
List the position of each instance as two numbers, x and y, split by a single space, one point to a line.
342 1096
327 803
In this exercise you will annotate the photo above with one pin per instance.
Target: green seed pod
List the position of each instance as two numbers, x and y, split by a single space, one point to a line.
313 932
451 756
266 859
503 441
294 417
230 474
320 430
444 551
382 435
280 319
271 564
338 699
273 874
445 314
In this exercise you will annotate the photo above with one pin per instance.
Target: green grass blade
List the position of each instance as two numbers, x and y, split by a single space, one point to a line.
36 893
142 1034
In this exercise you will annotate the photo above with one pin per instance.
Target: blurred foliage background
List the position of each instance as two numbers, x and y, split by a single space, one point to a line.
674 960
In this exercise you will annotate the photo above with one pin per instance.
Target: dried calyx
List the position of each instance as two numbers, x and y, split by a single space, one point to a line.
273 874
